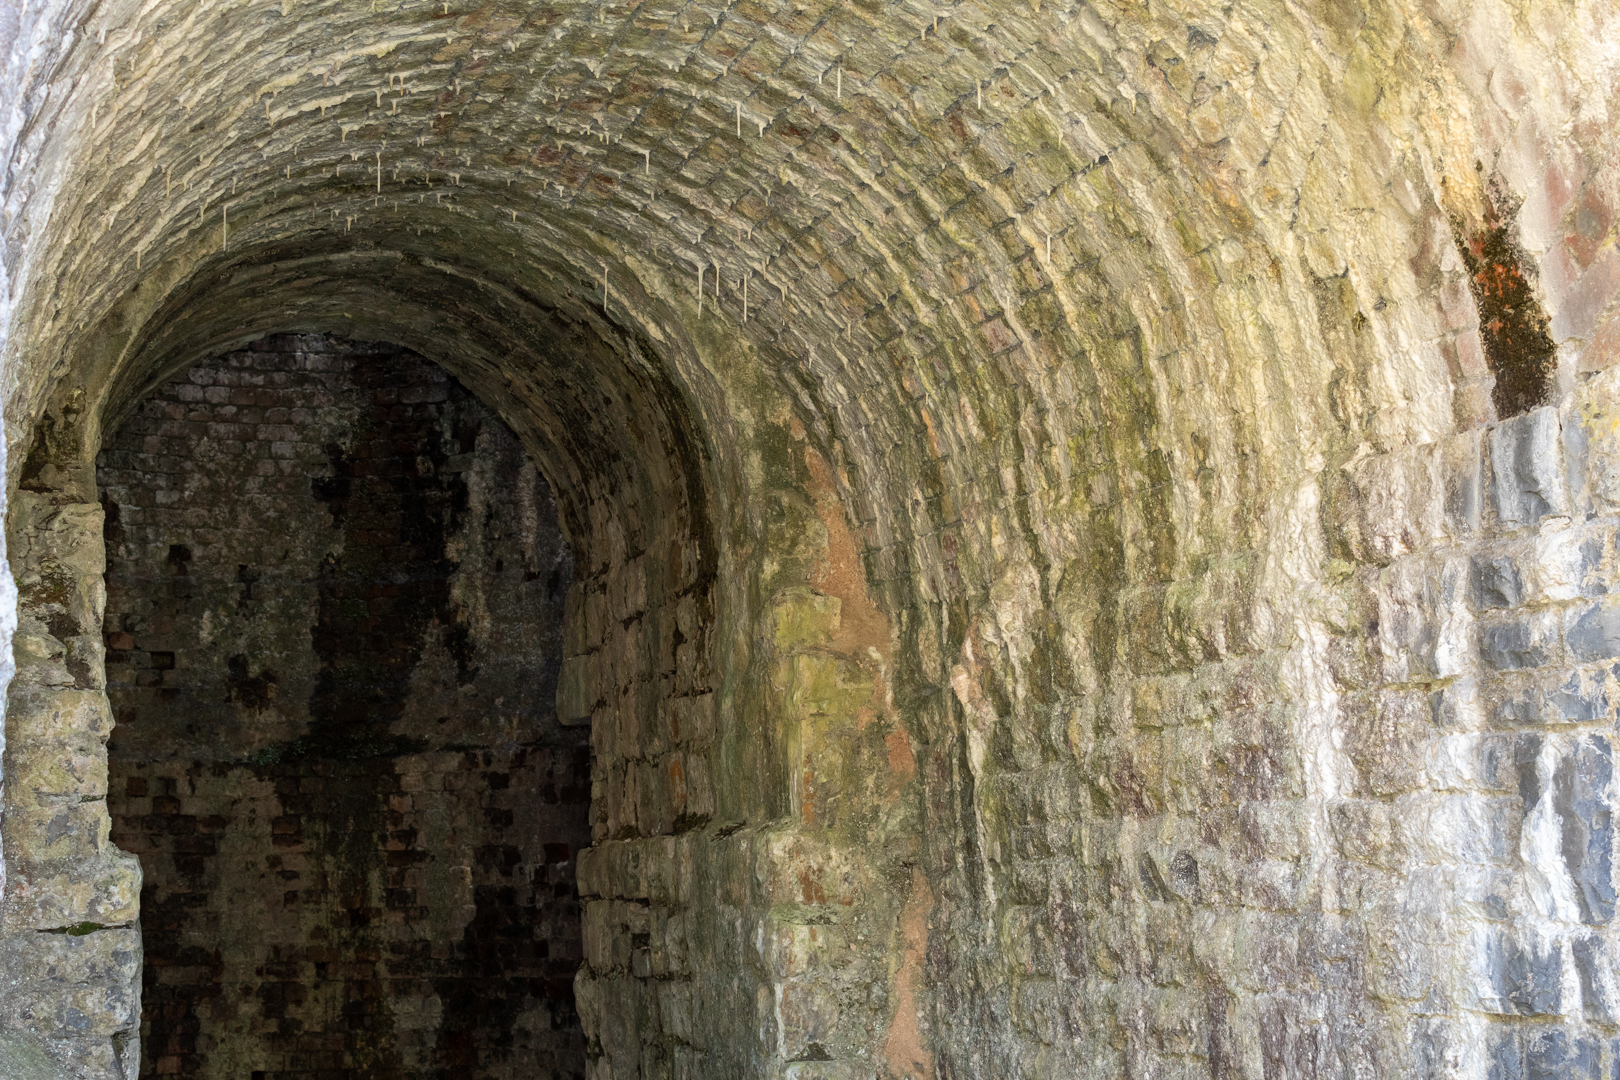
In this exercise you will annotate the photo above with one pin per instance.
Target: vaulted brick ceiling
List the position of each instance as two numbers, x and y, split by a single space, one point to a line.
1126 206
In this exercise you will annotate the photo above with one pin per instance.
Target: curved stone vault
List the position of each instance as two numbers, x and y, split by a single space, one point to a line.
1093 522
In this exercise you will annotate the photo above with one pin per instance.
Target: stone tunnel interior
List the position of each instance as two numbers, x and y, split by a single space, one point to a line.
840 539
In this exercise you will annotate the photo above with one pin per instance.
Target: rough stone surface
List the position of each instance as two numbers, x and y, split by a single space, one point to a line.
23 1058
1094 523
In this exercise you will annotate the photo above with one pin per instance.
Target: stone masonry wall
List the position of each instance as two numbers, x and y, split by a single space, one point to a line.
70 955
1096 463
333 629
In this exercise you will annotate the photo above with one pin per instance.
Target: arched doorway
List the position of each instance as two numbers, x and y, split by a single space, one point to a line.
334 625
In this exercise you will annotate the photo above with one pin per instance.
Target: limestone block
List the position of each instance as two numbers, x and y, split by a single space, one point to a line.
1577 455
1527 641
1384 734
1556 565
1600 986
1583 798
1462 827
598 620
1514 975
807 1015
72 717
1460 704
58 770
1593 631
1409 965
637 648
577 690
589 872
106 890
1559 1053
1272 885
654 810
671 944
691 670
575 640
1466 761
40 657
1598 410
661 866
1038 1008
799 950
1552 696
1462 470
1397 504
1482 892
1407 599
56 829
1454 649
620 1020
598 931
73 985
692 719
633 730
69 535
1527 469
804 618
24 1057
628 591
1495 581
1362 829
675 1010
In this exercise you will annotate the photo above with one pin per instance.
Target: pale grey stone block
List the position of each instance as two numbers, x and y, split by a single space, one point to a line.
1527 474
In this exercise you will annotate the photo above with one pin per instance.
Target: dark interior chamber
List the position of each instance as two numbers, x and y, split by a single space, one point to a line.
335 589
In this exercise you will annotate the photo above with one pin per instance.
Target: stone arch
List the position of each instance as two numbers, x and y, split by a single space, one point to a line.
608 429
1099 426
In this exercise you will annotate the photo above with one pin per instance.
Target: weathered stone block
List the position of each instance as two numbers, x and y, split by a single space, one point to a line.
1462 465
1395 506
24 1057
1583 797
1459 705
808 1011
1495 581
1556 566
804 618
105 890
1518 977
74 984
1555 1054
1471 761
1384 733
1527 469
56 770
577 690
1526 642
692 719
55 829
1456 828
1594 631
1595 967
1362 829
1407 629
